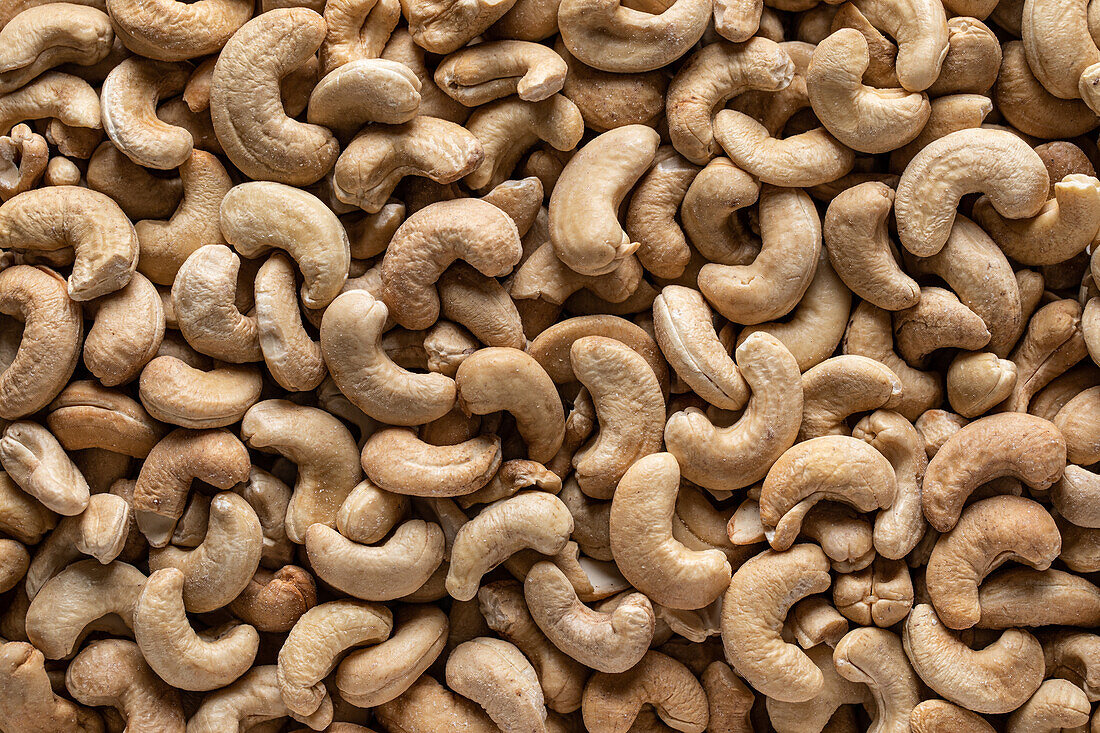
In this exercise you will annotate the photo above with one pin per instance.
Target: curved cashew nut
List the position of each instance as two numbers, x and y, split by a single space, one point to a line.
128 329
357 30
920 28
876 658
177 393
204 293
36 461
478 74
173 31
551 348
397 460
495 674
1056 705
428 706
293 358
1060 49
612 701
24 158
940 716
101 531
836 693
252 699
39 38
841 386
937 321
87 415
129 103
62 97
29 695
364 91
274 602
1011 598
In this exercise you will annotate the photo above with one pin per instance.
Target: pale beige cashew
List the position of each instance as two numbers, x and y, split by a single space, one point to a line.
591 521
738 20
315 644
481 73
126 334
323 449
495 674
35 460
430 240
937 321
989 533
780 274
373 163
996 679
129 107
1063 227
876 658
756 603
86 596
994 162
400 46
380 572
177 393
880 594
24 158
1071 654
247 108
292 357
551 348
545 277
608 100
249 702
949 114
160 495
629 406
741 454
30 703
535 520
269 497
1055 706
611 37
940 716
174 31
836 694
709 79
1060 49
1075 497
842 386
112 673
834 467
364 91
54 95
357 29
14 564
882 51
977 271
204 295
443 26
973 57
1011 444
977 381
860 250
60 171
1029 107
1011 598
846 538
428 706
651 216
514 476
802 160
482 305
920 29
274 602
709 212
87 415
180 656
91 224
39 38
370 234
259 215
396 460
613 701
73 140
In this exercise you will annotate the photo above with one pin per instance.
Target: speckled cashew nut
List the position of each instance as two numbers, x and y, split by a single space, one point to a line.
247 108
430 240
736 456
39 38
1011 444
62 97
93 225
364 91
996 679
937 321
495 674
481 73
160 495
49 348
584 225
397 460
252 699
177 393
756 603
994 162
842 386
316 642
531 519
128 329
1056 705
29 696
112 673
204 294
129 107
611 37
259 215
36 461
613 701
712 76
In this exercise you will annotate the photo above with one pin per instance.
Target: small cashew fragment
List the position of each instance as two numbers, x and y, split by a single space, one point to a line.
842 386
39 465
129 101
996 679
940 716
495 674
24 158
479 74
1055 706
248 702
613 701
29 701
876 658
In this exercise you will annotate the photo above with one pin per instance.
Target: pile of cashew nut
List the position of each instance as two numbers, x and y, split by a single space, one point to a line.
548 366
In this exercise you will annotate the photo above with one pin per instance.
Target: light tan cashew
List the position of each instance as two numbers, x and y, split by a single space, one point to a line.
87 415
976 381
292 357
112 673
396 460
1029 107
247 108
204 294
780 274
24 158
531 519
846 538
544 276
372 164
940 716
920 29
629 406
584 226
1012 598
1011 444
709 212
514 476
60 171
60 217
881 594
430 240
729 699
1075 497
39 38
30 702
613 701
860 250
174 31
495 674
937 321
129 107
736 456
529 20
428 706
836 694
996 679
370 234
440 26
989 533
875 657
994 162
551 348
86 596
1055 706
177 393
651 216
710 78
801 160
487 71
128 328
1077 421
381 572
1060 49
180 656
351 334
834 467
842 386
608 100
364 91
482 305
369 513
973 57
315 644
160 495
755 605
274 601
248 702
357 29
400 46
259 215
1071 654
36 461
14 564
66 98
949 114
72 140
